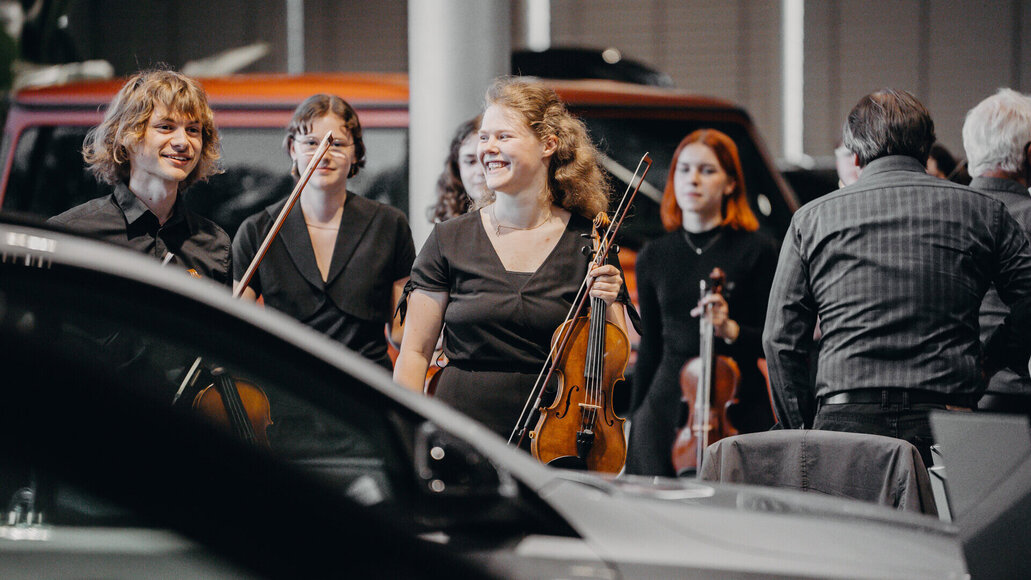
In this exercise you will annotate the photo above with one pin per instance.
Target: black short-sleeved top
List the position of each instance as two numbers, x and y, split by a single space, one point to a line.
196 243
374 248
496 319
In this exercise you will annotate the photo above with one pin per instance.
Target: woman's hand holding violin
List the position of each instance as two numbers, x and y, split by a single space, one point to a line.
607 282
718 313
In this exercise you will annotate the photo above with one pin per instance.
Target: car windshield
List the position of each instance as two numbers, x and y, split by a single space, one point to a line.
320 418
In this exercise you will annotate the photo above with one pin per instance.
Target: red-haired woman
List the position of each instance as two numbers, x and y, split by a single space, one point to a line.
705 210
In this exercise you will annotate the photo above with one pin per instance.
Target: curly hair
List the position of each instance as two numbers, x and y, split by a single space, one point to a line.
736 213
575 180
317 106
452 199
107 146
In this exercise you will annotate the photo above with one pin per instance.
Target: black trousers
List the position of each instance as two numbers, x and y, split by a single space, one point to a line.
906 421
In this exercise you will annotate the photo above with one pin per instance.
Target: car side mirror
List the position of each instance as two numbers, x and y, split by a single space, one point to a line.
449 466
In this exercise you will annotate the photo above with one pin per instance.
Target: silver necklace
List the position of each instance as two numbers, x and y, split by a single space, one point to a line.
702 249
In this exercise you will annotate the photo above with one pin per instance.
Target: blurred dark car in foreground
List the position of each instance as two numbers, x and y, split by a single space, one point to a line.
91 327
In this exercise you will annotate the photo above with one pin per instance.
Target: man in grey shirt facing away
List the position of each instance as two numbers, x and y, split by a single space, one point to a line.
894 268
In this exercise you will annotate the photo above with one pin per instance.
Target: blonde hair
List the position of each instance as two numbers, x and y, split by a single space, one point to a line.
575 180
106 148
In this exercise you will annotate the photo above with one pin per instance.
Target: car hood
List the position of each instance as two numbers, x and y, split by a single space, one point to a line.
749 530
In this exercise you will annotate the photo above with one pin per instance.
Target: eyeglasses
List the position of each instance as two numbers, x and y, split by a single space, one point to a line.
310 144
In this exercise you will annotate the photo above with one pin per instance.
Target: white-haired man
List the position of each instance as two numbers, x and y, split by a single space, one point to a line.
997 140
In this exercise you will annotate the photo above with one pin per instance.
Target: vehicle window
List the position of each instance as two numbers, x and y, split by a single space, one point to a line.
322 418
48 175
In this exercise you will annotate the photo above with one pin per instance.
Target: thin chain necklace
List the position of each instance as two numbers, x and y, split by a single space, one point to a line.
700 250
498 225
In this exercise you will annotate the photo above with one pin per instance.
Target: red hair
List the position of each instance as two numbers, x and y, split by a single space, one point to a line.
736 213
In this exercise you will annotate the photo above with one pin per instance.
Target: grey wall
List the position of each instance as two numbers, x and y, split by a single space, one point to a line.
950 53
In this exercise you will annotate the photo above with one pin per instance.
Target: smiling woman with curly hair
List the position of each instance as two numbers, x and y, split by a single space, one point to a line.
503 277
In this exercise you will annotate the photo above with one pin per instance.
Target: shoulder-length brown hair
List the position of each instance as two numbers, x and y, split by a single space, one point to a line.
736 213
106 148
320 105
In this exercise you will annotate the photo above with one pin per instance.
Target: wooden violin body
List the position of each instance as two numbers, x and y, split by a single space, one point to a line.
723 397
239 406
433 372
580 429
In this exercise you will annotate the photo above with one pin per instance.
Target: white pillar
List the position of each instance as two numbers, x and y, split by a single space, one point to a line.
455 50
295 36
538 24
793 79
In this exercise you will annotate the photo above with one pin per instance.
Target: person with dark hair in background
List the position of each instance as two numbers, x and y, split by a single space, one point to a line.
157 138
461 186
997 140
705 210
940 163
340 262
504 277
894 267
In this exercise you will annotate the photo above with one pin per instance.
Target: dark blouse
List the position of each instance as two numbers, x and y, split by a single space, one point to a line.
668 271
498 324
196 243
497 319
374 249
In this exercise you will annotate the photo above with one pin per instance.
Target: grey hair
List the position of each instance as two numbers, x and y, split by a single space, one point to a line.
996 133
888 122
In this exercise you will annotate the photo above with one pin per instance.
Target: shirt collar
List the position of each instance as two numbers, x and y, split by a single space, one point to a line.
999 184
891 163
134 208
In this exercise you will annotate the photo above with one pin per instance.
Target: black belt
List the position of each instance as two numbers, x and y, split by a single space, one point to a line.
889 396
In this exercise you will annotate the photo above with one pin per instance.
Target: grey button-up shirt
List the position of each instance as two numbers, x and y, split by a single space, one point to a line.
894 267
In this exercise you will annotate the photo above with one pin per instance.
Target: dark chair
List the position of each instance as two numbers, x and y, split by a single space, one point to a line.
872 468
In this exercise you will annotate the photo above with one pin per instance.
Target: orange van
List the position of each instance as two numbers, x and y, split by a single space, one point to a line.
43 171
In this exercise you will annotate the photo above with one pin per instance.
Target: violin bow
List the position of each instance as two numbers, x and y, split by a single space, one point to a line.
248 275
533 401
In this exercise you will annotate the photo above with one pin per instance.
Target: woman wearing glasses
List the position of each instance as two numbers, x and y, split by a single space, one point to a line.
340 262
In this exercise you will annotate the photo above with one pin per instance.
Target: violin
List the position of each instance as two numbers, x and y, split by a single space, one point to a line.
433 372
237 404
709 384
580 429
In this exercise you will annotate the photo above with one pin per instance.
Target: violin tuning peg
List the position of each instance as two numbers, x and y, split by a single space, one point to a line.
587 250
614 248
585 235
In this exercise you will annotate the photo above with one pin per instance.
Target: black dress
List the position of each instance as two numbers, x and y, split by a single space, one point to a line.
498 324
668 271
373 249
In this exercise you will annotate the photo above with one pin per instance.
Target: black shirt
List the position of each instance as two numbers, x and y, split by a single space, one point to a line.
196 243
497 318
374 248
